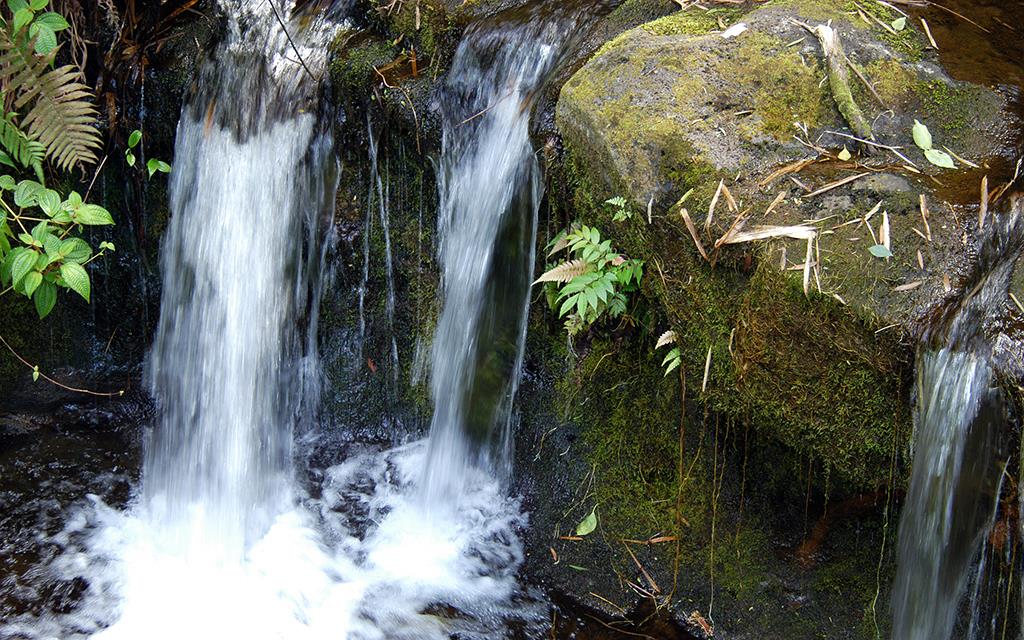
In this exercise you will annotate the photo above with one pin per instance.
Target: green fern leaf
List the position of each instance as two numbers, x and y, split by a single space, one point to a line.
60 114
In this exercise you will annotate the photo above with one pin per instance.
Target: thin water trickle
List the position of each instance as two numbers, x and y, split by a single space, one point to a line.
956 474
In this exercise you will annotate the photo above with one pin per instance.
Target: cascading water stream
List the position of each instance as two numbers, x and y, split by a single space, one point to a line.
489 185
957 459
416 542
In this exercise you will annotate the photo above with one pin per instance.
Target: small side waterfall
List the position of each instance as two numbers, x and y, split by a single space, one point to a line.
957 464
489 184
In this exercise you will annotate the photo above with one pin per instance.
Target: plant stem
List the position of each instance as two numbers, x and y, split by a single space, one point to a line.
42 375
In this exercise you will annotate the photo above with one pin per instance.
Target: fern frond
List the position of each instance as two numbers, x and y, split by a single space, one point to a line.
60 114
20 147
666 338
564 272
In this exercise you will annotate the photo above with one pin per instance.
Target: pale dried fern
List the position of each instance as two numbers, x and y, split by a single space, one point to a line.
564 272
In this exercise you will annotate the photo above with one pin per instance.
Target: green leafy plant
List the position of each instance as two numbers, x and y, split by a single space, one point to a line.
620 212
133 141
593 282
152 165
674 357
923 139
39 252
47 110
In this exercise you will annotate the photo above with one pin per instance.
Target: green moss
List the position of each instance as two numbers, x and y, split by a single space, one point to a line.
691 22
421 24
353 62
893 82
954 109
909 42
784 89
629 439
848 413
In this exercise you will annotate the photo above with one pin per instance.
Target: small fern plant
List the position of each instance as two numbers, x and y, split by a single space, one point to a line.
593 283
674 357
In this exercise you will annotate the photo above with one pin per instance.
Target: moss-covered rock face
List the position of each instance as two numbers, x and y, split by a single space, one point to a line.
725 510
674 94
817 358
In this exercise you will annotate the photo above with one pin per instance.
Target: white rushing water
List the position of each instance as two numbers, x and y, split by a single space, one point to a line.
489 185
222 541
957 459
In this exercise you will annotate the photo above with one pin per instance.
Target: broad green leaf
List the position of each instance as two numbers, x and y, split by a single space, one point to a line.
31 282
567 306
6 159
899 24
75 278
75 250
153 165
92 214
52 244
46 39
844 155
107 246
38 5
939 158
588 524
134 139
26 193
26 238
44 299
54 21
23 262
129 157
40 231
74 200
7 183
49 202
879 251
17 5
922 137
21 18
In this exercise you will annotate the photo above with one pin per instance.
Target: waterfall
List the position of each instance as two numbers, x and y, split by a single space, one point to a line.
489 186
416 542
955 479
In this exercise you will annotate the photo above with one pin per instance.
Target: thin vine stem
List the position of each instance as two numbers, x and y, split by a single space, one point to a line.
35 369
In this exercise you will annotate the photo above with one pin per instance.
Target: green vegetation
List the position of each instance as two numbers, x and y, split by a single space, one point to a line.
52 119
595 282
58 119
153 165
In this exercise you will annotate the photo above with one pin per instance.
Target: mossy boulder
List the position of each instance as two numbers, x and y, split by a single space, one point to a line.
818 358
